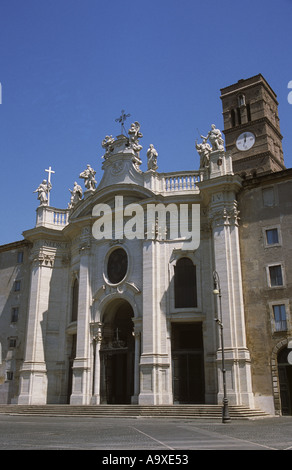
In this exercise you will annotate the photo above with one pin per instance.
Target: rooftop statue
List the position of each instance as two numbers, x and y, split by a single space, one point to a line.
204 150
215 138
89 178
76 195
152 158
43 192
134 136
106 144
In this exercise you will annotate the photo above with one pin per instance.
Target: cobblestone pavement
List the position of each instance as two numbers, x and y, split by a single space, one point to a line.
173 436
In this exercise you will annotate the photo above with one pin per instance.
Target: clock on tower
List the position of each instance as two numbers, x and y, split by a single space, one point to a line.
251 127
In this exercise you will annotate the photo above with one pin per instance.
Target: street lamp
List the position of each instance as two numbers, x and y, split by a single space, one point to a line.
217 291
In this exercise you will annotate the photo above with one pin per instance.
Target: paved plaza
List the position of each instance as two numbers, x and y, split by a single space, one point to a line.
165 436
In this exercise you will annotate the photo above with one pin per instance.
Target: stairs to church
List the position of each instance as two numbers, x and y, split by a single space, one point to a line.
134 411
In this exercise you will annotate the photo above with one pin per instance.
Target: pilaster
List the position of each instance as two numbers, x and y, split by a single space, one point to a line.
224 220
155 382
81 393
96 336
33 373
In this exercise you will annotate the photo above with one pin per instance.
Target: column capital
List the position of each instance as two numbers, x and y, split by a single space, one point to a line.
96 331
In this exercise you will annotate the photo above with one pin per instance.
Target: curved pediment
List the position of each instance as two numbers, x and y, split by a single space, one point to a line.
129 192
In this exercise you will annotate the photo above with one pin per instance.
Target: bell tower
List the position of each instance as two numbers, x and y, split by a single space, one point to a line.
251 127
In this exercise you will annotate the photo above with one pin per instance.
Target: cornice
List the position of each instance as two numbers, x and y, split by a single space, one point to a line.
251 124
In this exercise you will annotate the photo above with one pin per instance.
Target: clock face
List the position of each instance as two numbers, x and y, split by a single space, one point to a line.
245 141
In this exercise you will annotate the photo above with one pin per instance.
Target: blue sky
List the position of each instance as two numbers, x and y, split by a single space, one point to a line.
68 68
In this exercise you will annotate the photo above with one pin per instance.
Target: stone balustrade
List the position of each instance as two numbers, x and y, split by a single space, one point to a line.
178 182
51 217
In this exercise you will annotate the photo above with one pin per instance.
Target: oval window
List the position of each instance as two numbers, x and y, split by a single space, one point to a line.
117 266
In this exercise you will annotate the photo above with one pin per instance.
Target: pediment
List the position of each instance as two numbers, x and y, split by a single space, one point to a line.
129 192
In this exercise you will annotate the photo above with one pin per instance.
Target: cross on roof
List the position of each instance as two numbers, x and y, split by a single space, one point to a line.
50 171
122 119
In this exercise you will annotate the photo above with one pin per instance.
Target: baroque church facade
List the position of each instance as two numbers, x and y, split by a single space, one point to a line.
112 299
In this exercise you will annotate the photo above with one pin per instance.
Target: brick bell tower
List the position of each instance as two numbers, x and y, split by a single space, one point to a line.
251 127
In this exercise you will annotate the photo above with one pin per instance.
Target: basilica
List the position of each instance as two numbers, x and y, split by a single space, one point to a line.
124 296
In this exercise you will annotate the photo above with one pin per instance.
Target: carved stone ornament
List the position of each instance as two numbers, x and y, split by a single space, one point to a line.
96 331
225 216
43 259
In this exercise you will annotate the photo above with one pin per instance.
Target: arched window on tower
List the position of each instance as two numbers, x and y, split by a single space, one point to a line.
185 284
74 310
241 100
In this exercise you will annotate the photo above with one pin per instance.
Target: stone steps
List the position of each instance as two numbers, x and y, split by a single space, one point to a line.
135 411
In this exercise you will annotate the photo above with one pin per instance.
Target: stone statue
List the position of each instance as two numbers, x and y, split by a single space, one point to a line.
43 191
135 135
106 143
215 137
76 195
204 150
89 177
152 158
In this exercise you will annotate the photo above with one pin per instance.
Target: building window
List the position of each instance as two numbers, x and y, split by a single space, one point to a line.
241 100
20 257
117 266
14 314
75 292
12 343
272 236
275 275
185 284
17 285
280 317
9 375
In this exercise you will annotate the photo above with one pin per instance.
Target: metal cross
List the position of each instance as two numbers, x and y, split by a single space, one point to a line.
122 120
50 171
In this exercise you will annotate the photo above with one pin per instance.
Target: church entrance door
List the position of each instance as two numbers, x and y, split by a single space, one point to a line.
285 381
188 363
117 355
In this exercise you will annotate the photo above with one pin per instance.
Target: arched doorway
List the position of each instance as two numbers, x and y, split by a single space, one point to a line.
117 354
285 381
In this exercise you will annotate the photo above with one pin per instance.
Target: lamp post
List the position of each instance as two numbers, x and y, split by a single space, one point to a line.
217 291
